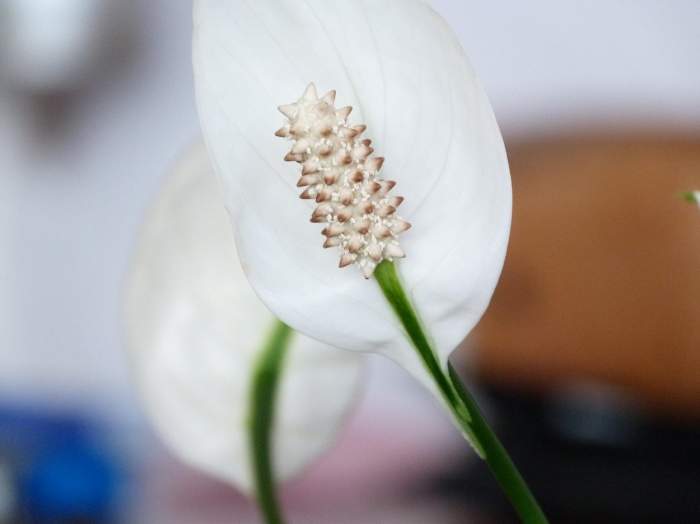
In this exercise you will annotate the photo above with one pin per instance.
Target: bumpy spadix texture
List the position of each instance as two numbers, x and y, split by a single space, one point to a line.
339 172
401 69
195 330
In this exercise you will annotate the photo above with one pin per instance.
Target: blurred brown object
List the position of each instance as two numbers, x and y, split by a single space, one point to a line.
602 277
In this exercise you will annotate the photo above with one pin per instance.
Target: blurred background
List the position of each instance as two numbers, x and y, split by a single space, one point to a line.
588 359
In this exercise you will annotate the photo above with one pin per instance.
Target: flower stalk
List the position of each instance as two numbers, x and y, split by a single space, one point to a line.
462 405
264 386
498 460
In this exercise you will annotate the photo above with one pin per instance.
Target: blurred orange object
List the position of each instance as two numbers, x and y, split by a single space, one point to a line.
602 277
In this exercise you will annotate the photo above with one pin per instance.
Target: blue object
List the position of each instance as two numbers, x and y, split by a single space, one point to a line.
65 471
73 481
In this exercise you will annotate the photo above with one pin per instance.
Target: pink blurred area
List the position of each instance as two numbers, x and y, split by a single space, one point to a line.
378 471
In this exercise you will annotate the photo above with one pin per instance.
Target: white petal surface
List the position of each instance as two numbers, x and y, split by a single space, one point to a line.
400 66
195 328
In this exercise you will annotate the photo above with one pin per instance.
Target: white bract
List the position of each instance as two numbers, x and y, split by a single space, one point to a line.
402 70
195 329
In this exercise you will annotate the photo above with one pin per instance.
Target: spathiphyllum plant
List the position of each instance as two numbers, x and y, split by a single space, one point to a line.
230 389
333 126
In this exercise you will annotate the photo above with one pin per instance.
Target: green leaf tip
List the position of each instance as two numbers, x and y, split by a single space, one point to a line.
691 196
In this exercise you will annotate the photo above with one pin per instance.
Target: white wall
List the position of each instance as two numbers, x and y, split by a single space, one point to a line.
79 191
550 63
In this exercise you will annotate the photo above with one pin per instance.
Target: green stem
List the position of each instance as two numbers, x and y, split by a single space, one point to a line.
389 282
499 461
458 400
264 385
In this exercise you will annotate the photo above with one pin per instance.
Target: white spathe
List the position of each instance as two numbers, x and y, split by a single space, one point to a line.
195 328
398 64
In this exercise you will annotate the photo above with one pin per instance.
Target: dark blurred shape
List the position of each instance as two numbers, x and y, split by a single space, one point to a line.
648 473
57 469
49 47
56 54
8 495
602 277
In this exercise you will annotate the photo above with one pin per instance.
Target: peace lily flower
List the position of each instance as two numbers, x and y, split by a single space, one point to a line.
379 109
197 339
400 68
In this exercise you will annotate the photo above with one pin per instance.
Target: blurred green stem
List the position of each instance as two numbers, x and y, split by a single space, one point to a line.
264 385
459 401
